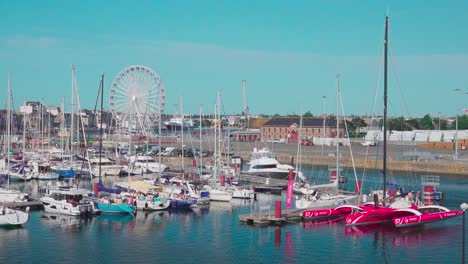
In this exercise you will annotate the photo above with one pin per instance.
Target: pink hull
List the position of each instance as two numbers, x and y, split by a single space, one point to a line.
321 214
424 218
374 216
332 213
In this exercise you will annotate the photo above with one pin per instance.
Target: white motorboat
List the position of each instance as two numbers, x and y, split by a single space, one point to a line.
108 168
142 164
43 171
263 163
243 193
68 201
13 217
176 123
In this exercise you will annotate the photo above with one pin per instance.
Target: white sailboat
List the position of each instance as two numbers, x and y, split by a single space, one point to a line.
7 195
9 216
217 191
314 197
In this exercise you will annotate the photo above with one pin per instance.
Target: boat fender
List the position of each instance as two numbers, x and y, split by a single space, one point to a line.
134 203
146 205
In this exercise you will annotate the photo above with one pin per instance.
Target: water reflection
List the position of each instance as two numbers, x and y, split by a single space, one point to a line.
65 222
8 234
430 238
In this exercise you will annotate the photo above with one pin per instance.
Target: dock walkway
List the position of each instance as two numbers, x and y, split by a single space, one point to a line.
268 218
33 204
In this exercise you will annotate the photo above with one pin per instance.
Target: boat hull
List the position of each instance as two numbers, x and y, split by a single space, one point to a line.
156 204
415 220
12 217
115 208
374 216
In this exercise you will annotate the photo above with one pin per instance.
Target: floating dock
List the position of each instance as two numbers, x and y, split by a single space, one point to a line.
268 218
33 205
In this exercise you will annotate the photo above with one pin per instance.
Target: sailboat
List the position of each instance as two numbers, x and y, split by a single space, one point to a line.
9 216
314 197
6 194
409 215
398 213
110 204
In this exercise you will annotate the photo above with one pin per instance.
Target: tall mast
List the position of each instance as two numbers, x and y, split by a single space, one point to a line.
8 128
246 107
72 115
159 132
337 127
101 88
201 145
24 129
182 132
384 169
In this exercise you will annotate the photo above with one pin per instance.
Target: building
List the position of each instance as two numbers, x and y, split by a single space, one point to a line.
287 128
250 135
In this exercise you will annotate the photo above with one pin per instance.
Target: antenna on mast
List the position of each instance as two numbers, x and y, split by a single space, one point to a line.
246 107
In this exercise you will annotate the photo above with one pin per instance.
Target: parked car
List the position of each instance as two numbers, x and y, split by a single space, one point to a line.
203 153
368 143
188 153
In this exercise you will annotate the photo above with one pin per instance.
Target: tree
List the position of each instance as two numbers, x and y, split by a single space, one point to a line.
308 114
462 123
426 122
443 124
358 123
413 123
351 127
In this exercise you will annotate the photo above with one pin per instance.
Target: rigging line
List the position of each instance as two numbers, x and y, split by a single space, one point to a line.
403 105
350 148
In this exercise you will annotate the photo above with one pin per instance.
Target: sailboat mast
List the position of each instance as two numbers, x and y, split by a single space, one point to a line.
182 133
101 88
8 128
201 144
24 130
337 127
72 116
159 134
384 169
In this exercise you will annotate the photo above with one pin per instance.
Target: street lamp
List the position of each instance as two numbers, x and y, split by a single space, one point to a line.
439 119
463 206
456 124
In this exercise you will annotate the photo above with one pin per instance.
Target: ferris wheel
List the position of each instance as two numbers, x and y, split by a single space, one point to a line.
137 98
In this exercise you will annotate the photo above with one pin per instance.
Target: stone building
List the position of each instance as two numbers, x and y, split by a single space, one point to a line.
287 128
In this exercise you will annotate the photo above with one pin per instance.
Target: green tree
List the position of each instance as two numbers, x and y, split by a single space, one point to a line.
462 123
308 114
426 122
399 124
358 123
351 126
443 124
413 123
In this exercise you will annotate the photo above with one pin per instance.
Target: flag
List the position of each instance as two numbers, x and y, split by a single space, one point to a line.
289 192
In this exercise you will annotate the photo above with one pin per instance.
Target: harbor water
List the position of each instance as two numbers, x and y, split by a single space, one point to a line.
214 234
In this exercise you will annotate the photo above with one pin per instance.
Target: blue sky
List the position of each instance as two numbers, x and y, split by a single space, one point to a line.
288 51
